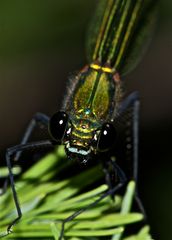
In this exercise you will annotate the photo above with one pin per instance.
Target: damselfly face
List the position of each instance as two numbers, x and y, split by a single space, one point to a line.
85 127
81 138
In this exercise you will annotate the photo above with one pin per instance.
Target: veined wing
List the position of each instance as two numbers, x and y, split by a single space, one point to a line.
120 32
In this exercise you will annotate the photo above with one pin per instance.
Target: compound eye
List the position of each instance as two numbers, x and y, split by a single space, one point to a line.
106 138
57 125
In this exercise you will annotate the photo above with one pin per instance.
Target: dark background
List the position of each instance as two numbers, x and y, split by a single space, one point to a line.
41 42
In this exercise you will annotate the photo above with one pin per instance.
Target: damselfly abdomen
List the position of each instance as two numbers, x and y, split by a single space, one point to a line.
95 116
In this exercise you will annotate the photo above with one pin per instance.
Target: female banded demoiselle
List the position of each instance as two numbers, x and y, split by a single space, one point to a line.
96 121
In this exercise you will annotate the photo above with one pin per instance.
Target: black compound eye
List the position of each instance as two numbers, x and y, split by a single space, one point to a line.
57 125
106 138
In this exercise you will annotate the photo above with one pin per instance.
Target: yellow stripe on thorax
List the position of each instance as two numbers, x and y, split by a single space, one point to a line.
98 67
80 135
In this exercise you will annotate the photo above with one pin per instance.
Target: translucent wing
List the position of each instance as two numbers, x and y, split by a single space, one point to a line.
120 32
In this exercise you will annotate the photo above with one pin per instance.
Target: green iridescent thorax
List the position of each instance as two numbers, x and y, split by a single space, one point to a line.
91 103
94 95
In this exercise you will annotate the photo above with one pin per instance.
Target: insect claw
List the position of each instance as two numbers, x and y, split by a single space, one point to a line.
9 230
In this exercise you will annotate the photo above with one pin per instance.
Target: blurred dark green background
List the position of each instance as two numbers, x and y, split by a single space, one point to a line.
41 42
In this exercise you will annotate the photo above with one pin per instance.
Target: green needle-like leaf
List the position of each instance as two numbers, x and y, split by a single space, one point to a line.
46 201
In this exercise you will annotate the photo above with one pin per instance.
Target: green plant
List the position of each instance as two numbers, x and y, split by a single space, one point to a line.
46 202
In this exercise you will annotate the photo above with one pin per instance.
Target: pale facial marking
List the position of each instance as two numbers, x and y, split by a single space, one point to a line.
78 151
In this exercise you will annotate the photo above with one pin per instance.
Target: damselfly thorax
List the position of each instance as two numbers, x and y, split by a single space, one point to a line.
89 110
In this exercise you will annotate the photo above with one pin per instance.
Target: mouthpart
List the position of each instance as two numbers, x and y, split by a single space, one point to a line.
79 154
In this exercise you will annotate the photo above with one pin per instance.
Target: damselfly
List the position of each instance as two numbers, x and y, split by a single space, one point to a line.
95 116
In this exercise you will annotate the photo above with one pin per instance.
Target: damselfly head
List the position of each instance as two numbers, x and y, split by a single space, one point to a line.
81 138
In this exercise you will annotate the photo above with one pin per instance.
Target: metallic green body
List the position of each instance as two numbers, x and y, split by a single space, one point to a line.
120 31
92 102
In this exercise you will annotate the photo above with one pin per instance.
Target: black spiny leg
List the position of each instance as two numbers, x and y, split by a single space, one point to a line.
38 118
10 152
112 191
132 102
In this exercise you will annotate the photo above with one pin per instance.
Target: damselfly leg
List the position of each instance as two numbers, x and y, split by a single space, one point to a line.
14 153
133 101
9 154
112 191
38 118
